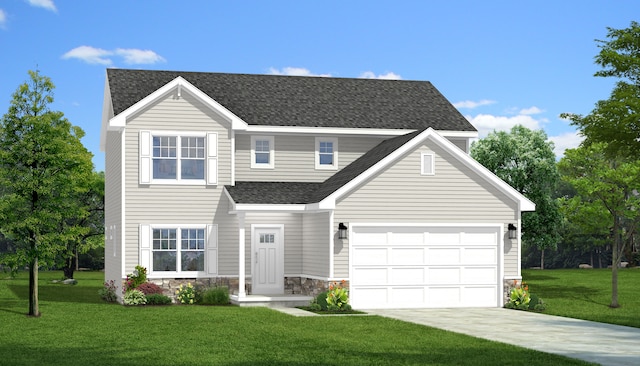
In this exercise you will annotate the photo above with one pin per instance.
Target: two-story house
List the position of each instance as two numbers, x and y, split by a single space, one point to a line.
277 185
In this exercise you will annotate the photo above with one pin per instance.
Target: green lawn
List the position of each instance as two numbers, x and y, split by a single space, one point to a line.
586 293
76 328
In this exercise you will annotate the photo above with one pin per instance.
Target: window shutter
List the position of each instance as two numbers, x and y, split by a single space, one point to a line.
145 246
145 157
212 249
212 158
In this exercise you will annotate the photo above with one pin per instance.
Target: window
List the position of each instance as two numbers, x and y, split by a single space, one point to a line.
262 155
178 158
188 256
326 153
428 164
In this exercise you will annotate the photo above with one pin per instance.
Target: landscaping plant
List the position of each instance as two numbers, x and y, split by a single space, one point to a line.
108 292
186 294
138 277
338 297
134 297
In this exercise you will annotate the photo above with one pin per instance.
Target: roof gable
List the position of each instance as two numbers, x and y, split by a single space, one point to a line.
272 100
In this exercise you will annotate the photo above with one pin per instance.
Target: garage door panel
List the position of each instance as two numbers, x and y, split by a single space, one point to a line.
446 237
407 256
371 276
372 238
479 275
446 256
408 237
479 238
370 297
444 276
370 256
479 296
480 256
408 276
407 296
444 296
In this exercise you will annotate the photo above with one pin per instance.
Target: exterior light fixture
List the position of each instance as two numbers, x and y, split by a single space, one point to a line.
342 231
513 231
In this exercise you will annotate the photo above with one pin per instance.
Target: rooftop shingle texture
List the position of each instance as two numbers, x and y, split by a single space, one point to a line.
304 101
300 193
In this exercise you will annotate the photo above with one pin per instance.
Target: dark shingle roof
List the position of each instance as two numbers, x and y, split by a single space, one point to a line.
273 100
295 192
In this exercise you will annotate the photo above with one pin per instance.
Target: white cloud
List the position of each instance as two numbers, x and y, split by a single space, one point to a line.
134 56
101 56
569 140
294 71
388 76
470 104
486 123
46 4
89 55
531 110
3 18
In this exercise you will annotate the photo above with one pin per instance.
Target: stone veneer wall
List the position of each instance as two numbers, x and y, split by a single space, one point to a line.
292 285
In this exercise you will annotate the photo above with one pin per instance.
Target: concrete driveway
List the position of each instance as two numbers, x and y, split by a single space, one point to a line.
601 343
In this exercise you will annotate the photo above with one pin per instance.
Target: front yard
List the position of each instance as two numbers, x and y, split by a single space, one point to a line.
586 293
77 328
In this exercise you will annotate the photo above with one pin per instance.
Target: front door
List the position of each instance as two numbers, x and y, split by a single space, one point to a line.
268 261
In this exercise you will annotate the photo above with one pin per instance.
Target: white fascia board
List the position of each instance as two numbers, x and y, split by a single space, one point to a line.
524 203
462 134
120 120
248 207
107 111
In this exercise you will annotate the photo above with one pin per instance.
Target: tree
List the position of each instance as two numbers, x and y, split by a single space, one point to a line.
525 159
43 166
616 121
89 224
612 182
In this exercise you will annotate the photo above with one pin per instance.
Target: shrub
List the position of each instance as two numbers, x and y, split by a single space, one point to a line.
186 294
138 277
536 303
215 296
108 292
149 288
321 300
158 299
134 297
519 298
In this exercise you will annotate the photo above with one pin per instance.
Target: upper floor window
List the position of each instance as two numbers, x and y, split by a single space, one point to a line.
262 152
326 153
178 157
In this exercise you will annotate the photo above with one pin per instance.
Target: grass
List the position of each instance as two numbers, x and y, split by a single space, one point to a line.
586 293
76 328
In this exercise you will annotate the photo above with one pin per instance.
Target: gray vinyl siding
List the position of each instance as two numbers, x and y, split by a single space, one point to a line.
460 143
295 158
172 204
400 194
113 209
315 242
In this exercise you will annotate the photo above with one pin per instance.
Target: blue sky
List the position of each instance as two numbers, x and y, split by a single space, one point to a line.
500 62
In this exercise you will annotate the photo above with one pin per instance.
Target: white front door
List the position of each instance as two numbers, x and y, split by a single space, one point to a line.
267 260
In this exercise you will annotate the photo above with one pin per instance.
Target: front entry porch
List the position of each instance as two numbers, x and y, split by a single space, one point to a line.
283 300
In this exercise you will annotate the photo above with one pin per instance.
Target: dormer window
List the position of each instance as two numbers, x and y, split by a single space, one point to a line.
262 152
326 153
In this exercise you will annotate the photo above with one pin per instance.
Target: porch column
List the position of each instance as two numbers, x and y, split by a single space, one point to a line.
241 256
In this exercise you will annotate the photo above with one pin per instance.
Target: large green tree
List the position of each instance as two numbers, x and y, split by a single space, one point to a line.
524 158
43 166
612 183
616 121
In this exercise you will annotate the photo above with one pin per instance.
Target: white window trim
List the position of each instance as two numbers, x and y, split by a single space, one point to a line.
210 160
210 250
272 156
333 166
428 155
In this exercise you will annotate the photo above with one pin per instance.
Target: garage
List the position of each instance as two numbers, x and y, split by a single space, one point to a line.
423 266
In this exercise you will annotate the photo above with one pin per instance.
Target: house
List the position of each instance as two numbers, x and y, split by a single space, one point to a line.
277 186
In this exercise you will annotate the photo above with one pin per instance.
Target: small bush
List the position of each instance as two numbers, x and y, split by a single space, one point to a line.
134 297
215 296
186 294
536 303
138 277
321 300
158 299
149 288
108 292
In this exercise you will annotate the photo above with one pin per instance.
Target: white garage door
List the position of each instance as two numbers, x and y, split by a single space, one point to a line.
422 266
